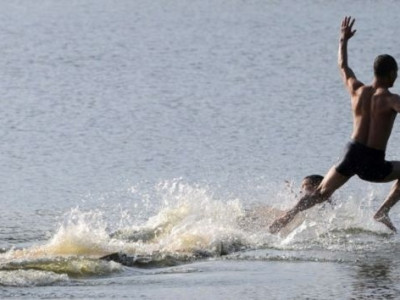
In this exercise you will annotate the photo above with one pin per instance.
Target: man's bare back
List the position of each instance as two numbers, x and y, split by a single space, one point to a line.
383 113
374 110
374 115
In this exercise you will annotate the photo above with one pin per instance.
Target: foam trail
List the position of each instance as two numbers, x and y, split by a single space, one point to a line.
22 278
193 223
189 220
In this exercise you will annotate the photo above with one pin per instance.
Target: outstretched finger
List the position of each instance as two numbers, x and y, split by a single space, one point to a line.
352 23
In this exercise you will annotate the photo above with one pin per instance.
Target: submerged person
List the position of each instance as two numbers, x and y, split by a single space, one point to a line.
261 216
374 110
310 183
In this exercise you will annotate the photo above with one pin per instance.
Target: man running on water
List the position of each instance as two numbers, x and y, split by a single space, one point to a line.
374 110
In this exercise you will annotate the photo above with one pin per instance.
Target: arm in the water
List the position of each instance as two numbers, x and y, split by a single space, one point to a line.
331 182
305 202
349 78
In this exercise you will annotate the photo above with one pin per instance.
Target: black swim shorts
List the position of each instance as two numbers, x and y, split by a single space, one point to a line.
368 163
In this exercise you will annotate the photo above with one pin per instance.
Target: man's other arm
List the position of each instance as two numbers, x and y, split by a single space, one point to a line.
395 102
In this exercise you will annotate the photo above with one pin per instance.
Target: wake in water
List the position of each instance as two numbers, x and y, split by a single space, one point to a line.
191 224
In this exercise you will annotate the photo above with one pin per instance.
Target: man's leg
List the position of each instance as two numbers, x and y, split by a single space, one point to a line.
332 181
382 215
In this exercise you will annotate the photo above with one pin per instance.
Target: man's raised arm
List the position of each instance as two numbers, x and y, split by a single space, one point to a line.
348 75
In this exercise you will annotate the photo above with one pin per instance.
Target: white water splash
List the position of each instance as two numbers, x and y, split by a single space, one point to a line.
22 278
193 220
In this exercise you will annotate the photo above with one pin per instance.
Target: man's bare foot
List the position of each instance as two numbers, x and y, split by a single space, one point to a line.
384 218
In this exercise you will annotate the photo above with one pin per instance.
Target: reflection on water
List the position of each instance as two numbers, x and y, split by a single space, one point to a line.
377 280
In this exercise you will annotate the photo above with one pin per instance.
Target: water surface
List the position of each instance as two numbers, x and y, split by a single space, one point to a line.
153 129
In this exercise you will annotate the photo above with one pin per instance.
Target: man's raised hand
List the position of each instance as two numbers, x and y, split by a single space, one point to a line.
346 29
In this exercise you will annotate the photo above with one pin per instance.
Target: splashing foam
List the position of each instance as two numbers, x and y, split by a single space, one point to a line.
348 224
30 278
82 233
191 220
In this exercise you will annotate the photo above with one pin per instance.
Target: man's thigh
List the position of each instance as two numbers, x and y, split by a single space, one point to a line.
332 181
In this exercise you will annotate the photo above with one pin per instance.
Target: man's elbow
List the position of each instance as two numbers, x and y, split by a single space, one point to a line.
343 73
342 66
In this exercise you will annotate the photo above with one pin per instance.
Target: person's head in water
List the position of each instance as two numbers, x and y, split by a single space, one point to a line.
310 183
385 68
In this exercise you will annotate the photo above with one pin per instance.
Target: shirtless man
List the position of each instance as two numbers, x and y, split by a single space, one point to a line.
374 110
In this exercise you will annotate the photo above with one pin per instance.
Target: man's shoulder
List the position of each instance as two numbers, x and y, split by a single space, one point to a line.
365 88
394 102
388 100
391 96
363 92
395 98
362 89
394 95
384 93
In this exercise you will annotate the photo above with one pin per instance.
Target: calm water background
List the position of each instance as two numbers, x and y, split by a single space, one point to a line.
123 108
